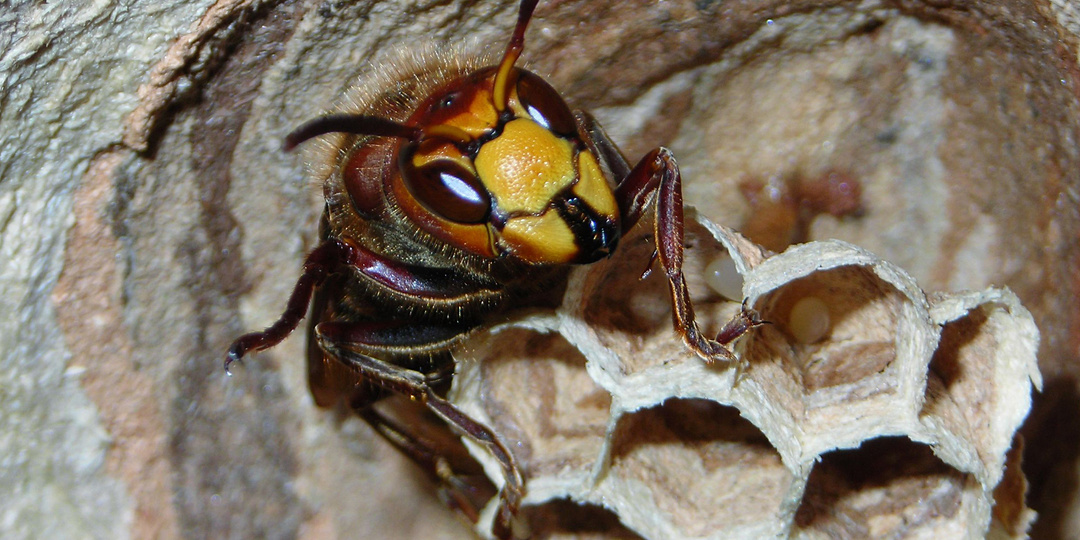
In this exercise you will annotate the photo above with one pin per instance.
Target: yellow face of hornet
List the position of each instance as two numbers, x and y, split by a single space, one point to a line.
506 180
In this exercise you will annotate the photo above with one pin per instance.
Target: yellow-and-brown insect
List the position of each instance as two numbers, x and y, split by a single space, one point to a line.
455 196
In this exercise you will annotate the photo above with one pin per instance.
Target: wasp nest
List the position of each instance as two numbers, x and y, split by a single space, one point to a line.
869 408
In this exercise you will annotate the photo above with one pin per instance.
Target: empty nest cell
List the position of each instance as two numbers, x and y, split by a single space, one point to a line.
889 487
707 470
566 519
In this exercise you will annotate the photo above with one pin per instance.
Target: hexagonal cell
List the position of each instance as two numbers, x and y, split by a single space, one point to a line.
845 356
563 519
535 391
889 487
831 328
697 468
978 376
956 390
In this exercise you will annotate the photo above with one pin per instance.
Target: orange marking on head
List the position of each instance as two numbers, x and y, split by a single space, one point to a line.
525 166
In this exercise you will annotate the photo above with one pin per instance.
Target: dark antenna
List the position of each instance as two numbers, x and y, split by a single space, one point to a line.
356 124
501 88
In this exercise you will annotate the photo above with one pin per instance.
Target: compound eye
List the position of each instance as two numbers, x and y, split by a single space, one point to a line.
544 104
449 190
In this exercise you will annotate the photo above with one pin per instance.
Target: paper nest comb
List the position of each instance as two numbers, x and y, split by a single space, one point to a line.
869 409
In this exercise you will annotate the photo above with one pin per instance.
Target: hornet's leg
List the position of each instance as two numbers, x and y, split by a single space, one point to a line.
337 254
655 179
358 344
408 426
320 263
336 375
463 487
